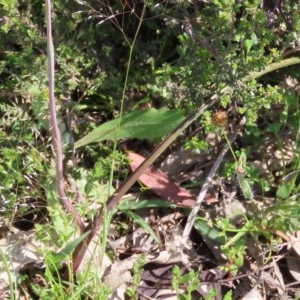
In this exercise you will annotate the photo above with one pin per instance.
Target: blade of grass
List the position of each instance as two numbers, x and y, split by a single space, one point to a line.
143 224
9 274
132 204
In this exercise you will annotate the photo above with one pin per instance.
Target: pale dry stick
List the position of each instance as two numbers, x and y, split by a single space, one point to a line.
193 214
58 148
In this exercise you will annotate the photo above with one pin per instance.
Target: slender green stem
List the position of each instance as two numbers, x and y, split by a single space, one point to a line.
235 238
273 67
242 181
107 214
131 45
8 272
230 147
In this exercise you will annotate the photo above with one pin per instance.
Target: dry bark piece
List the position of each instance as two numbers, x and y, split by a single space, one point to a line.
254 294
293 264
295 242
280 282
179 164
20 248
158 278
212 279
293 257
119 273
255 251
139 239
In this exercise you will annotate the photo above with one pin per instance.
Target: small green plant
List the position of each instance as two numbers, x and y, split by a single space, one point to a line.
136 279
212 294
242 181
6 268
184 285
240 172
228 295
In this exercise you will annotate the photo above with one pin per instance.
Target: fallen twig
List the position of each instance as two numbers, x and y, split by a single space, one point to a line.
207 183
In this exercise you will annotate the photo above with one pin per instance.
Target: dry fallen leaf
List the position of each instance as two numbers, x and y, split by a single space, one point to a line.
280 282
293 263
293 257
161 184
20 248
255 250
295 242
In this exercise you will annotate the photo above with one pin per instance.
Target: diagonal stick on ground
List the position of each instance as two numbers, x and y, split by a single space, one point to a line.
204 189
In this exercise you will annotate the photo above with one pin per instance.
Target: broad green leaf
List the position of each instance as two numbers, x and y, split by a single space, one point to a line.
248 45
245 186
59 257
228 295
132 204
254 38
205 229
149 124
283 191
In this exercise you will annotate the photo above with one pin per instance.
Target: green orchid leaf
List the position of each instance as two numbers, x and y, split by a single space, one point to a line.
142 124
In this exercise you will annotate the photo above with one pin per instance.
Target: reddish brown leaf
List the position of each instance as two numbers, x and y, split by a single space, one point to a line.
161 184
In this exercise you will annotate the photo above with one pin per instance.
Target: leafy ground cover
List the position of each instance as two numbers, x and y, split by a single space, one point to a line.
177 173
